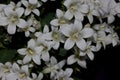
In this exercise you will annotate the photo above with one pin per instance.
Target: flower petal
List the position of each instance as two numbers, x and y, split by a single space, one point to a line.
20 11
59 13
69 44
22 51
36 59
68 15
111 18
84 8
22 23
27 12
33 1
45 56
36 11
31 43
82 63
87 32
11 29
3 21
71 59
53 60
81 44
90 55
26 59
54 22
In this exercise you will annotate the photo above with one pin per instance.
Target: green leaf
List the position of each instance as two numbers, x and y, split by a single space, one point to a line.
47 18
7 55
62 52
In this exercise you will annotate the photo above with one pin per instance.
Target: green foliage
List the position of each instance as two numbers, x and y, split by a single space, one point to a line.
7 55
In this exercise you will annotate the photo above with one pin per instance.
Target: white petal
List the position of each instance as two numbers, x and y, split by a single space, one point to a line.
22 23
25 3
69 44
111 18
46 29
8 11
56 45
71 59
68 15
90 55
27 12
81 44
90 18
84 8
31 29
59 13
36 59
38 49
26 59
87 32
15 67
11 29
22 51
20 11
78 25
3 21
45 56
33 1
54 22
31 43
27 33
61 64
25 69
36 11
67 3
79 16
69 71
82 63
66 30
40 76
114 42
53 60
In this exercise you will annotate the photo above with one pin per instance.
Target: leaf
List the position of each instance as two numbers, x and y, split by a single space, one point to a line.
7 55
47 18
62 52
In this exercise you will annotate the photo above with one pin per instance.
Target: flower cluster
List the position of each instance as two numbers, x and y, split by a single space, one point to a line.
79 29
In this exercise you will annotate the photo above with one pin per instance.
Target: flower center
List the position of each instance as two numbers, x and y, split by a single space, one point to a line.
62 21
73 8
75 36
31 7
6 70
13 19
22 75
30 51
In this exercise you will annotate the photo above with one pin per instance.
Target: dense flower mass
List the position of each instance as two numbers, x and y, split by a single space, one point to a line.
79 27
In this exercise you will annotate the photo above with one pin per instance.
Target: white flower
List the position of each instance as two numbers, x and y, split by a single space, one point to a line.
75 8
76 35
76 58
65 75
112 38
5 70
61 20
53 66
55 36
31 52
20 73
39 77
28 28
31 6
89 51
12 19
46 46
